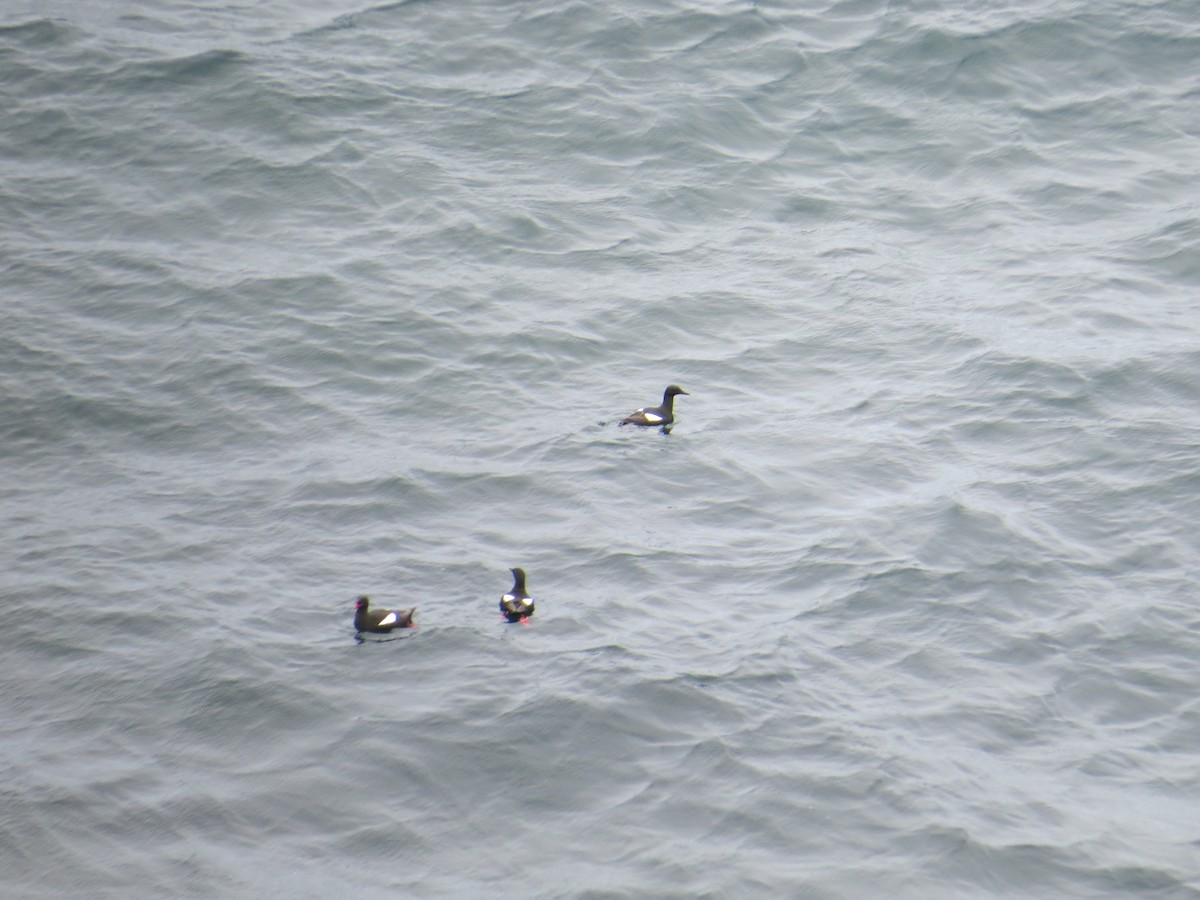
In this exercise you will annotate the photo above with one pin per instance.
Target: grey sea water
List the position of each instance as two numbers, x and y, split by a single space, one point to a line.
305 300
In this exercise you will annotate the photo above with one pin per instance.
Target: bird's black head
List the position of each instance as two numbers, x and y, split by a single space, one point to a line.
675 389
362 602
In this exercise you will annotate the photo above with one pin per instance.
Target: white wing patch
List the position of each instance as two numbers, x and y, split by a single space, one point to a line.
389 619
508 598
652 417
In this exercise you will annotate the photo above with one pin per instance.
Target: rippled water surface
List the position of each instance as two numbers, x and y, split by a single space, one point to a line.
306 300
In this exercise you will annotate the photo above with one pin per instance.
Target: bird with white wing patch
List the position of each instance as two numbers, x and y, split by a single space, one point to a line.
516 605
656 415
380 621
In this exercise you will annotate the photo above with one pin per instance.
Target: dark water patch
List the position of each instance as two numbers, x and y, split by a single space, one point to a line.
39 33
212 67
1169 253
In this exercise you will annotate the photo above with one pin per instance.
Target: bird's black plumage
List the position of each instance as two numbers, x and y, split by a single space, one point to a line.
380 621
516 604
656 415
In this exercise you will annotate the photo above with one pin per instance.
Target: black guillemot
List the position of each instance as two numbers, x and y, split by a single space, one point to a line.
656 415
517 605
380 621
